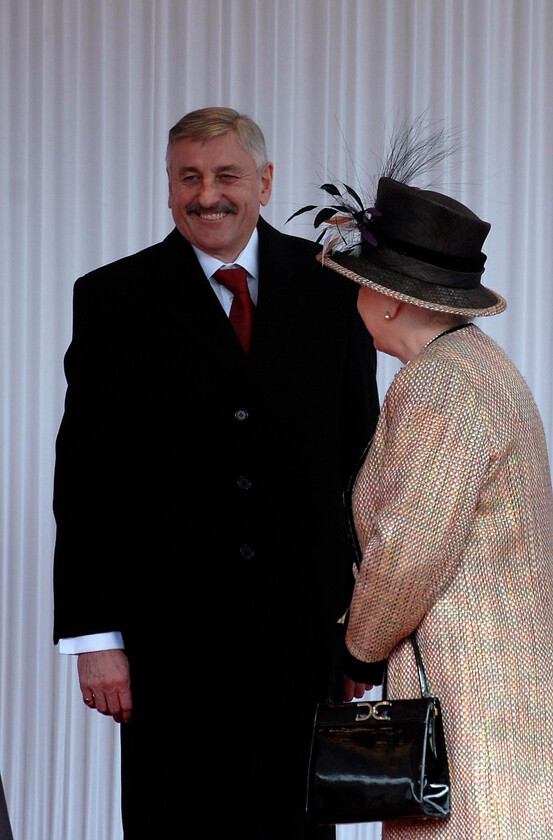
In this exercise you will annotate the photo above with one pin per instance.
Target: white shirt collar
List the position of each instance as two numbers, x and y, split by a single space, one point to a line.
247 259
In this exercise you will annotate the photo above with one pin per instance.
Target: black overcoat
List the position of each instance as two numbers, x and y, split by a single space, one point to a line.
198 498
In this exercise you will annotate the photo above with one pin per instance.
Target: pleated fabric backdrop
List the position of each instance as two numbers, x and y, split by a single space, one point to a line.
88 91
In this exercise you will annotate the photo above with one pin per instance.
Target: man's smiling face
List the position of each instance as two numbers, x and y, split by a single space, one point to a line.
215 192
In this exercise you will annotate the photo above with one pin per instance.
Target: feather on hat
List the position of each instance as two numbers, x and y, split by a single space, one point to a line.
415 245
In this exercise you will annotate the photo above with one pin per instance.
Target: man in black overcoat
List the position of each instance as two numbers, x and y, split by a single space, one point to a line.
202 554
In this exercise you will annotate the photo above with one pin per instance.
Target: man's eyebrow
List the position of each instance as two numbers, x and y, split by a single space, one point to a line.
226 167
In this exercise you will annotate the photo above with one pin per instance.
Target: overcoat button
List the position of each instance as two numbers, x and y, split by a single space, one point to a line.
241 414
247 552
244 482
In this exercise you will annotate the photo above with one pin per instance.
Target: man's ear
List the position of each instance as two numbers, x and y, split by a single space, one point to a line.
266 184
170 198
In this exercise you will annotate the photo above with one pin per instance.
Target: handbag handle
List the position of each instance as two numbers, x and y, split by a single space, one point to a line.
420 668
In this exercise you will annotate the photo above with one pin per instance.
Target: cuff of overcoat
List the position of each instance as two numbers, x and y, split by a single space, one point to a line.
363 672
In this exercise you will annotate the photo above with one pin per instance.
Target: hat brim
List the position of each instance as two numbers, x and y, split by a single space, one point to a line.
476 302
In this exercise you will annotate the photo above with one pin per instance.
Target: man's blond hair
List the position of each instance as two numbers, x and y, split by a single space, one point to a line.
206 123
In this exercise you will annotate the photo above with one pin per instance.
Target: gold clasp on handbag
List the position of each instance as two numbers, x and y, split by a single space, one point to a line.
375 710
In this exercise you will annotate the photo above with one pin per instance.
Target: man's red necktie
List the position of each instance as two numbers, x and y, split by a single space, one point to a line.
242 309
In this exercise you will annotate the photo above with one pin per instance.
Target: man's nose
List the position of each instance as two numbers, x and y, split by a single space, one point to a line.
209 192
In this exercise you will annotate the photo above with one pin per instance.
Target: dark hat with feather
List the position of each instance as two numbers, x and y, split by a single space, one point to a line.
415 245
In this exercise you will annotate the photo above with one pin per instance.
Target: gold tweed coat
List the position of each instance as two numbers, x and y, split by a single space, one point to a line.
453 512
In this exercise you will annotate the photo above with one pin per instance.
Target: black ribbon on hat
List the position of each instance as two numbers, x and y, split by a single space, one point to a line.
425 264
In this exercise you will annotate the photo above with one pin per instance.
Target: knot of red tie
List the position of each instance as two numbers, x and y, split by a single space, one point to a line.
242 308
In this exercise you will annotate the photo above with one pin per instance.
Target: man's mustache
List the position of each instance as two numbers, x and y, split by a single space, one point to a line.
197 209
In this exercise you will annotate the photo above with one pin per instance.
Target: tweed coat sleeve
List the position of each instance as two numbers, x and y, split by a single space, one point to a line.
415 500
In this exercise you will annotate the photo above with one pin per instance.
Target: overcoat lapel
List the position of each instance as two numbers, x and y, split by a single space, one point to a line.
191 302
282 297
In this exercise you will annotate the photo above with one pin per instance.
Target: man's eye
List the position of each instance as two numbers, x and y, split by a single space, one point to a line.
189 179
225 178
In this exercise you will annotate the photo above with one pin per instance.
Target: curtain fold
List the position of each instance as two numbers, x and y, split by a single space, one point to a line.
89 91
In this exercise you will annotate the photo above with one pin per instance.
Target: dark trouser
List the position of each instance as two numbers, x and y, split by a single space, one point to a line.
202 776
223 756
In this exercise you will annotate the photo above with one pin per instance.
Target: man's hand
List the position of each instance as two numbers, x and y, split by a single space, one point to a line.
105 682
354 689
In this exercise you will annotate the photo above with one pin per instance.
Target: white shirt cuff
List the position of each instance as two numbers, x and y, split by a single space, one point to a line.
95 641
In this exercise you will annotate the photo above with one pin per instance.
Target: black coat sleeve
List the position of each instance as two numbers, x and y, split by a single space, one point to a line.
89 502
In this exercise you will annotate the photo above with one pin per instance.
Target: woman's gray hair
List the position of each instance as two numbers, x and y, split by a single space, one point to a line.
206 123
448 319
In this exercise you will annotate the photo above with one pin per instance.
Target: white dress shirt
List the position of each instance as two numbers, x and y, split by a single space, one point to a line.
248 260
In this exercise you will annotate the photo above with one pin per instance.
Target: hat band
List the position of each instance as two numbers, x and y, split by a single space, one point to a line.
427 272
455 262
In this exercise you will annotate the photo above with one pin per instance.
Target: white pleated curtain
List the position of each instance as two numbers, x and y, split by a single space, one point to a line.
89 89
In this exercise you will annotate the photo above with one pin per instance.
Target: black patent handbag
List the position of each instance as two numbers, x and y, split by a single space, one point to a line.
379 760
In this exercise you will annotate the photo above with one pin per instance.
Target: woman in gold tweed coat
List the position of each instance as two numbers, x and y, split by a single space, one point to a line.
453 514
